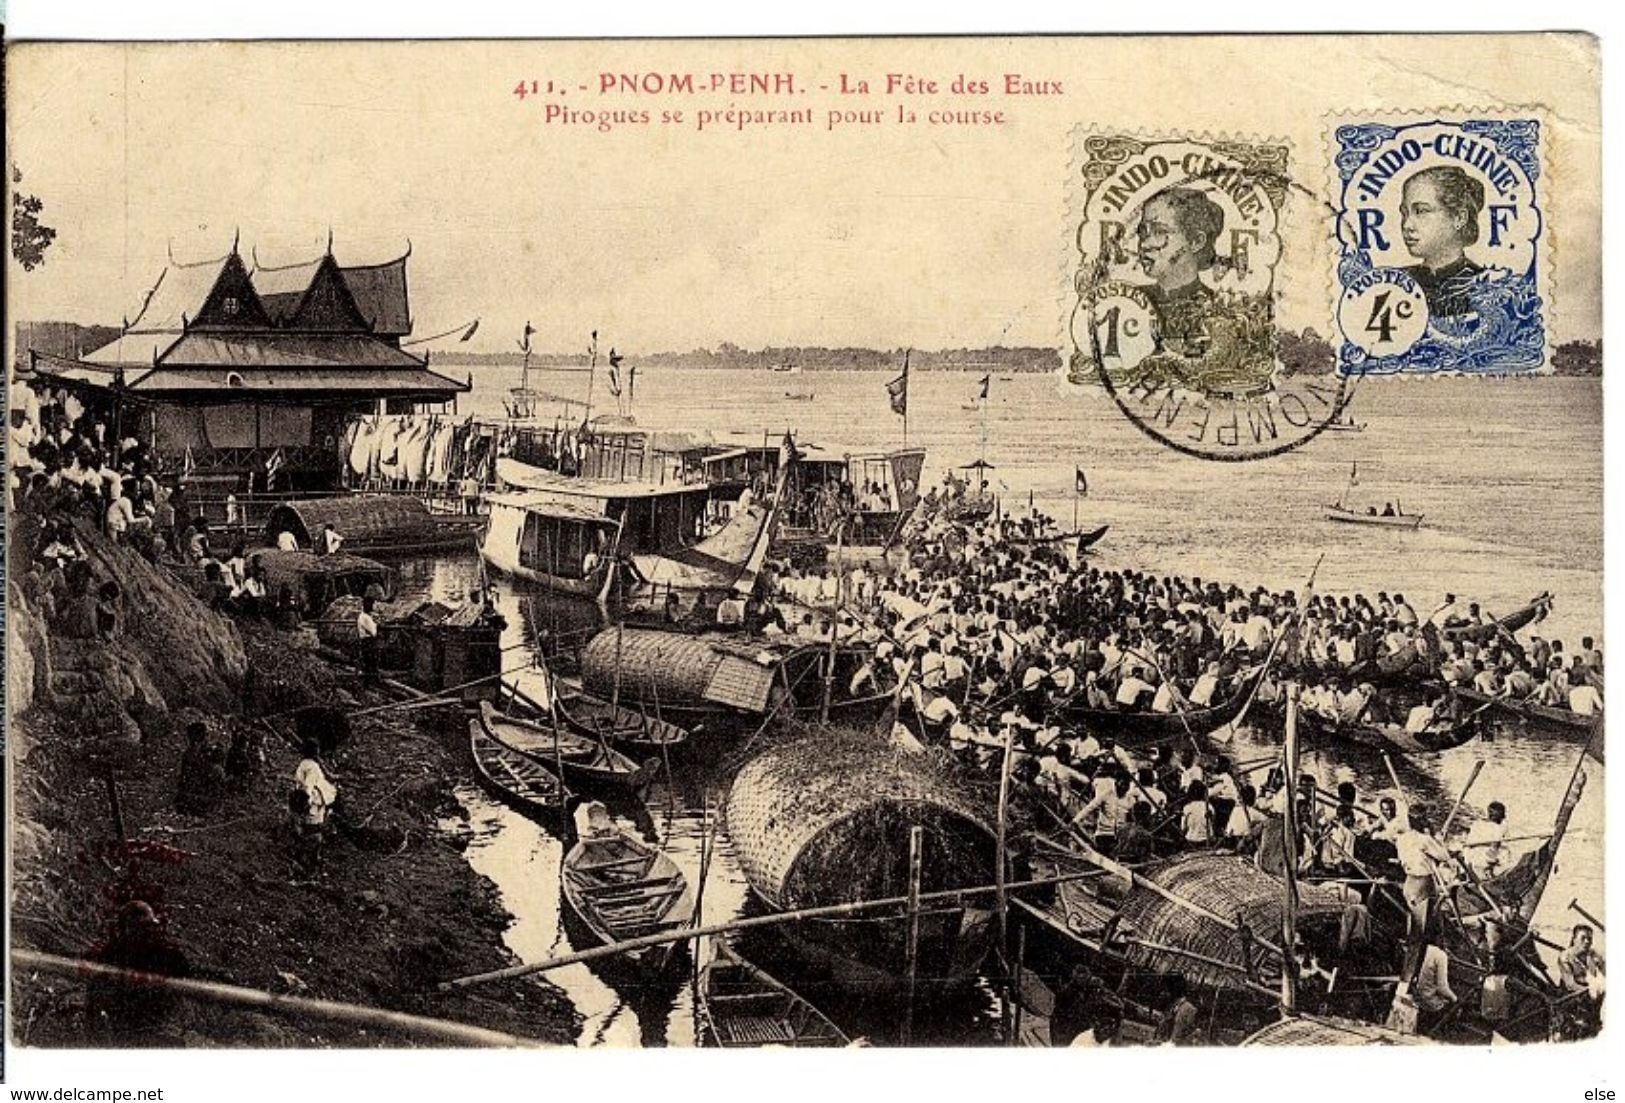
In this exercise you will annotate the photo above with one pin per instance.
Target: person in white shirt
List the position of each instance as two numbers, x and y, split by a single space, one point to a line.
285 541
1206 686
366 632
1484 848
1584 700
1421 717
1420 856
1131 689
1108 812
320 792
1168 699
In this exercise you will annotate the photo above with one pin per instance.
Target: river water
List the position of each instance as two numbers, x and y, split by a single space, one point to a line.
1508 476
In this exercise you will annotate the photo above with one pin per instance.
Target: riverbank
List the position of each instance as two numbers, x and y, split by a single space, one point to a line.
393 908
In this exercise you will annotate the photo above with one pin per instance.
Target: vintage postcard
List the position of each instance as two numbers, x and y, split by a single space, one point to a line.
1032 542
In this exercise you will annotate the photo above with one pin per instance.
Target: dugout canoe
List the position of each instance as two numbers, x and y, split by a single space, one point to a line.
1550 719
1536 610
1139 727
1389 737
629 729
742 1007
515 778
585 762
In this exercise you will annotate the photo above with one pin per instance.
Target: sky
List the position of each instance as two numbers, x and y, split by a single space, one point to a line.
667 238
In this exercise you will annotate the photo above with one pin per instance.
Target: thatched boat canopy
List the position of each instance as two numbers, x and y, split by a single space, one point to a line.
1316 1030
671 668
1224 885
316 580
361 519
826 819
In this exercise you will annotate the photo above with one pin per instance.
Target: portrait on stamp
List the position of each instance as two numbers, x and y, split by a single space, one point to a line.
1440 250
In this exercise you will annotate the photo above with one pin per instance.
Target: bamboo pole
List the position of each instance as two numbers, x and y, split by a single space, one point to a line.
1444 832
1289 840
834 622
1001 896
911 947
825 911
1015 985
435 1031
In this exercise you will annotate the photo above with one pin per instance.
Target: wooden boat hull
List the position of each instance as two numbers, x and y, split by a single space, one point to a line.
865 956
1389 737
500 548
1545 718
584 761
1139 727
1507 625
740 1006
514 778
621 888
622 727
1378 520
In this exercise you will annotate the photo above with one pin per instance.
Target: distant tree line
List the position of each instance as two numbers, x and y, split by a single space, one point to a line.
1578 358
809 358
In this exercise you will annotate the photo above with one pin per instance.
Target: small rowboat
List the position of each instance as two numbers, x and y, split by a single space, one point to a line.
585 762
622 888
741 1007
515 778
628 728
1381 520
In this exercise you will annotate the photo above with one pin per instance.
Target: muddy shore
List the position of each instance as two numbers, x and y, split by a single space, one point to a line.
393 908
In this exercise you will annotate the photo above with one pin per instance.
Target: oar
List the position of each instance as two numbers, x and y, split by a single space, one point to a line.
1574 906
1444 832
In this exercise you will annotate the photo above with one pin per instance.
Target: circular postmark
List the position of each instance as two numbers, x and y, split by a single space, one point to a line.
1179 243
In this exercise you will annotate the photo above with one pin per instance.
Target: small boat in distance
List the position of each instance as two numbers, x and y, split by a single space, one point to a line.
1395 520
741 1007
1345 424
800 396
784 367
1392 516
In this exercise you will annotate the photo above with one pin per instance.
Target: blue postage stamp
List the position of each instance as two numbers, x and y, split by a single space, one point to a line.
1441 262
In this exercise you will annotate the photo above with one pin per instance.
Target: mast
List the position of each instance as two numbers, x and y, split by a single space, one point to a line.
592 373
1289 914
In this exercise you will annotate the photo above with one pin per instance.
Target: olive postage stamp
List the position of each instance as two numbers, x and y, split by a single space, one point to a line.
1179 249
1441 254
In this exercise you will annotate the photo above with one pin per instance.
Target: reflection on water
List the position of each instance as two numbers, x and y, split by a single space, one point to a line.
1493 531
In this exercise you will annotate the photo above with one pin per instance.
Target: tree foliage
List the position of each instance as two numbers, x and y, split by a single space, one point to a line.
29 236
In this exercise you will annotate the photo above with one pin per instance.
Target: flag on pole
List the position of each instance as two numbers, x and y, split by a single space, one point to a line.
524 344
987 381
1080 483
897 390
469 332
787 451
1354 472
614 373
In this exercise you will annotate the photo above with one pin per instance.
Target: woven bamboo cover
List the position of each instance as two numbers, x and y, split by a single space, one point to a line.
789 801
1228 886
361 518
